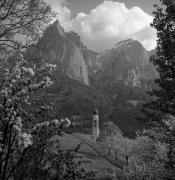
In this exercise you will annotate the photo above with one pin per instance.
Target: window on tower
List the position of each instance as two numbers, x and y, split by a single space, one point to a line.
95 123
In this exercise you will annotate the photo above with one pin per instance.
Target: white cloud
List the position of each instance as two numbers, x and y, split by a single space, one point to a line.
63 13
107 24
147 37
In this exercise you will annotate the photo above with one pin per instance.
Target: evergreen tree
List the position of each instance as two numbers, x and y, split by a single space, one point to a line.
161 109
164 60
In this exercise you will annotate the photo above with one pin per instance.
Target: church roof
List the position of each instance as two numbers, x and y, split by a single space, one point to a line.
95 111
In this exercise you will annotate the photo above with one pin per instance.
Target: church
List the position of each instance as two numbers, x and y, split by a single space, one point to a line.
95 125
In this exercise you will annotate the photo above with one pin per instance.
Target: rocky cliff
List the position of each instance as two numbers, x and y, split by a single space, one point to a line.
65 50
124 74
115 79
127 61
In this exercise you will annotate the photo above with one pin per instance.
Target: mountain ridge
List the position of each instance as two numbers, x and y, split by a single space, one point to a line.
66 50
114 80
128 60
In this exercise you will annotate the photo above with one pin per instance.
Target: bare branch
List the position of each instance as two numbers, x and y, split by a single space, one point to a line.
8 11
3 3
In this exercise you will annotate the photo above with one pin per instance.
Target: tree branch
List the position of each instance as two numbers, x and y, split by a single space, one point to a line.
7 156
3 3
8 11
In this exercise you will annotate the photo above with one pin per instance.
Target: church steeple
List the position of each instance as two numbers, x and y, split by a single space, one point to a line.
95 111
95 124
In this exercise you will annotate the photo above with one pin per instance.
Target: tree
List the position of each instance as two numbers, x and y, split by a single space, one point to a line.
16 88
31 152
109 130
147 159
112 139
27 149
161 110
123 147
21 23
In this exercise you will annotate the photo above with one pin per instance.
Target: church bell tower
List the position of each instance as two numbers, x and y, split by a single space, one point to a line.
95 124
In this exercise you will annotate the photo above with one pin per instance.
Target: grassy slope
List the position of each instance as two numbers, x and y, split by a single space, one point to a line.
97 163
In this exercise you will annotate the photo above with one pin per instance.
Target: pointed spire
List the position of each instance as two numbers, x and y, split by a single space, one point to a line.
95 112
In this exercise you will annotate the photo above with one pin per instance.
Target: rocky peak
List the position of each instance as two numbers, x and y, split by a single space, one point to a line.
127 61
124 43
134 51
75 38
59 28
65 50
129 45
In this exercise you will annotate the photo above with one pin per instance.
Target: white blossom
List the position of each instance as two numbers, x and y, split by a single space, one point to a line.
13 80
16 128
18 122
18 76
68 122
26 139
30 70
4 92
48 81
34 86
6 70
24 69
46 123
55 122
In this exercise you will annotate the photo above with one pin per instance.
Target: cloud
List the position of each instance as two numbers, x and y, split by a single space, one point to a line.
107 24
63 13
147 37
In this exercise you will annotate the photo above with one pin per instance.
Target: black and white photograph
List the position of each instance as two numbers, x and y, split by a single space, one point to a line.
87 89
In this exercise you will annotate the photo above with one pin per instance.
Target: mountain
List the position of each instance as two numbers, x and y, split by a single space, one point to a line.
66 51
127 61
71 92
114 80
124 75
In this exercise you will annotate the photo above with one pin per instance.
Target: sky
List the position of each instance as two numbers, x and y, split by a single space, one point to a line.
103 23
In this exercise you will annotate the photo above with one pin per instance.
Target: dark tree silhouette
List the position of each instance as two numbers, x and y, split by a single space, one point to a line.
161 110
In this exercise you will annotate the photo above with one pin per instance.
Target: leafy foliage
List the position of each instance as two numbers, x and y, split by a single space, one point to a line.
29 150
21 22
32 153
160 110
112 138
